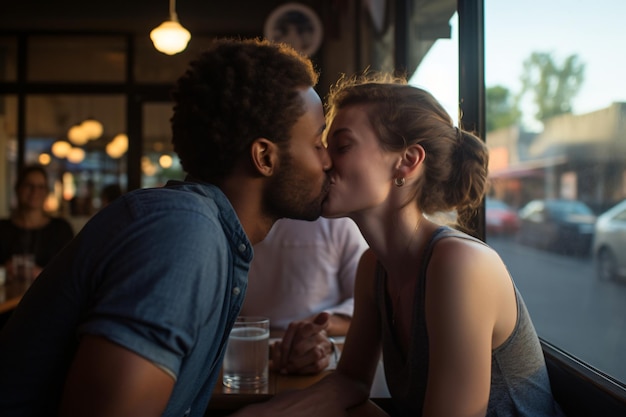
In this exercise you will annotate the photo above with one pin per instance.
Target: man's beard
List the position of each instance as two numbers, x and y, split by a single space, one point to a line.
289 194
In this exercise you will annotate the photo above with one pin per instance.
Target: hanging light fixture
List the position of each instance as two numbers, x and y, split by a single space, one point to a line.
77 135
76 155
44 158
92 128
61 148
118 146
170 37
165 161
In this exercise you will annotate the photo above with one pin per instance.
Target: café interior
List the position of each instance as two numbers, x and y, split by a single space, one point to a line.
71 64
85 91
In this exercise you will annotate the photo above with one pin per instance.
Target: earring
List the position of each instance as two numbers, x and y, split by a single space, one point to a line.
399 182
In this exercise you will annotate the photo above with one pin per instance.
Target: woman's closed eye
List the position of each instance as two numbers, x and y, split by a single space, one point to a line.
341 147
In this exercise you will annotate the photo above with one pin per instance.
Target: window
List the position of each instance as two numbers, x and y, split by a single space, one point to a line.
83 167
159 163
438 73
8 58
8 150
70 58
556 129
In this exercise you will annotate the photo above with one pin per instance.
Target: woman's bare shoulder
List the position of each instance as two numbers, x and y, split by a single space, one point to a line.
467 261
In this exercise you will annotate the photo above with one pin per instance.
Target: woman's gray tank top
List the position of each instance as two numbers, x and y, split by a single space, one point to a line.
519 380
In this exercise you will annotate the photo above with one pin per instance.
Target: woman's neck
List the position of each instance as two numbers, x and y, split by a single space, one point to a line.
397 238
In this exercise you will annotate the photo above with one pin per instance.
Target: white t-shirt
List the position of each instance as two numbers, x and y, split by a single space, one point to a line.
302 268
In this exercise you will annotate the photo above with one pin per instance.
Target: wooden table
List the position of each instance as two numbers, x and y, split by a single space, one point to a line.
225 400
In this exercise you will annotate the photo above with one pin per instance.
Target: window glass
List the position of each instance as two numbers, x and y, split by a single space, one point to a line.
8 150
66 58
438 72
62 134
8 58
556 129
159 163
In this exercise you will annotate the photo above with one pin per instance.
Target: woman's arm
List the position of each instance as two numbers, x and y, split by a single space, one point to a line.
464 289
350 384
361 351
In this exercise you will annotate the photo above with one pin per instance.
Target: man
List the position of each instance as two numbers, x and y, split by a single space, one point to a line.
132 317
299 270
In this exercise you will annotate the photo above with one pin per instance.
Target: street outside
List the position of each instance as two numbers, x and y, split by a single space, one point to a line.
569 306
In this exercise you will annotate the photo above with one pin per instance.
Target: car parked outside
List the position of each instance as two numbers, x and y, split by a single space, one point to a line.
500 218
559 225
609 244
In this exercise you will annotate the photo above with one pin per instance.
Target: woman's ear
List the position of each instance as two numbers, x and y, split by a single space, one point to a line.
264 156
411 160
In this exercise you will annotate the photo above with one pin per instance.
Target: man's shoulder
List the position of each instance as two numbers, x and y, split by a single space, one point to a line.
174 196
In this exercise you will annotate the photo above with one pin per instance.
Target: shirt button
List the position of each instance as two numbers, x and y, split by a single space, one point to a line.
242 247
236 291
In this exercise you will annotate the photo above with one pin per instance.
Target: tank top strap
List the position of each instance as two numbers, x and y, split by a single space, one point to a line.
441 233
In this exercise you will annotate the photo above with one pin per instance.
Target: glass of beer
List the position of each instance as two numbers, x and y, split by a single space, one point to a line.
247 354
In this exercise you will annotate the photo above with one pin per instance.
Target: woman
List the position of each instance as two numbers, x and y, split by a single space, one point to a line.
30 230
455 335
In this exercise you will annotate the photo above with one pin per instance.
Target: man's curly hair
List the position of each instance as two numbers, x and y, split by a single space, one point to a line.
235 92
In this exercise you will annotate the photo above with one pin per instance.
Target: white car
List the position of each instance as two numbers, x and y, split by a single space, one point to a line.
609 245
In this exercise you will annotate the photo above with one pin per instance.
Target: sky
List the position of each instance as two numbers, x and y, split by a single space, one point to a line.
514 29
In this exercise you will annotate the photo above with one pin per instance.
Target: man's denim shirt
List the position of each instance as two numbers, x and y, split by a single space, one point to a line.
162 272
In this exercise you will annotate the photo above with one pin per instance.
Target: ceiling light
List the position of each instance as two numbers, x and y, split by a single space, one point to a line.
76 155
170 37
61 148
77 135
44 158
165 161
92 128
118 146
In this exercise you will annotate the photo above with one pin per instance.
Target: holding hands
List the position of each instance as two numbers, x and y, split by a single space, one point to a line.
305 347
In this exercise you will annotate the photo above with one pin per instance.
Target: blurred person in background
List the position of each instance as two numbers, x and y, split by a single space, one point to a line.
302 269
31 230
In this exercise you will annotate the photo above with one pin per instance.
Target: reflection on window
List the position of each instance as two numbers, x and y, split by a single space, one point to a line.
159 163
8 150
556 129
73 137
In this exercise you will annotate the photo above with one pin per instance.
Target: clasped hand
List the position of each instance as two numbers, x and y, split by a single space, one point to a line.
304 349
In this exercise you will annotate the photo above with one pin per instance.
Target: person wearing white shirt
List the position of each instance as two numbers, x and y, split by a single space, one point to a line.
302 269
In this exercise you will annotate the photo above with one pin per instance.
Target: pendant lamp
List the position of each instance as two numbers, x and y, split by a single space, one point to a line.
170 37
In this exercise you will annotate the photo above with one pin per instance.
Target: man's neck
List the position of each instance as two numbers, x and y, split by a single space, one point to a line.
246 196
